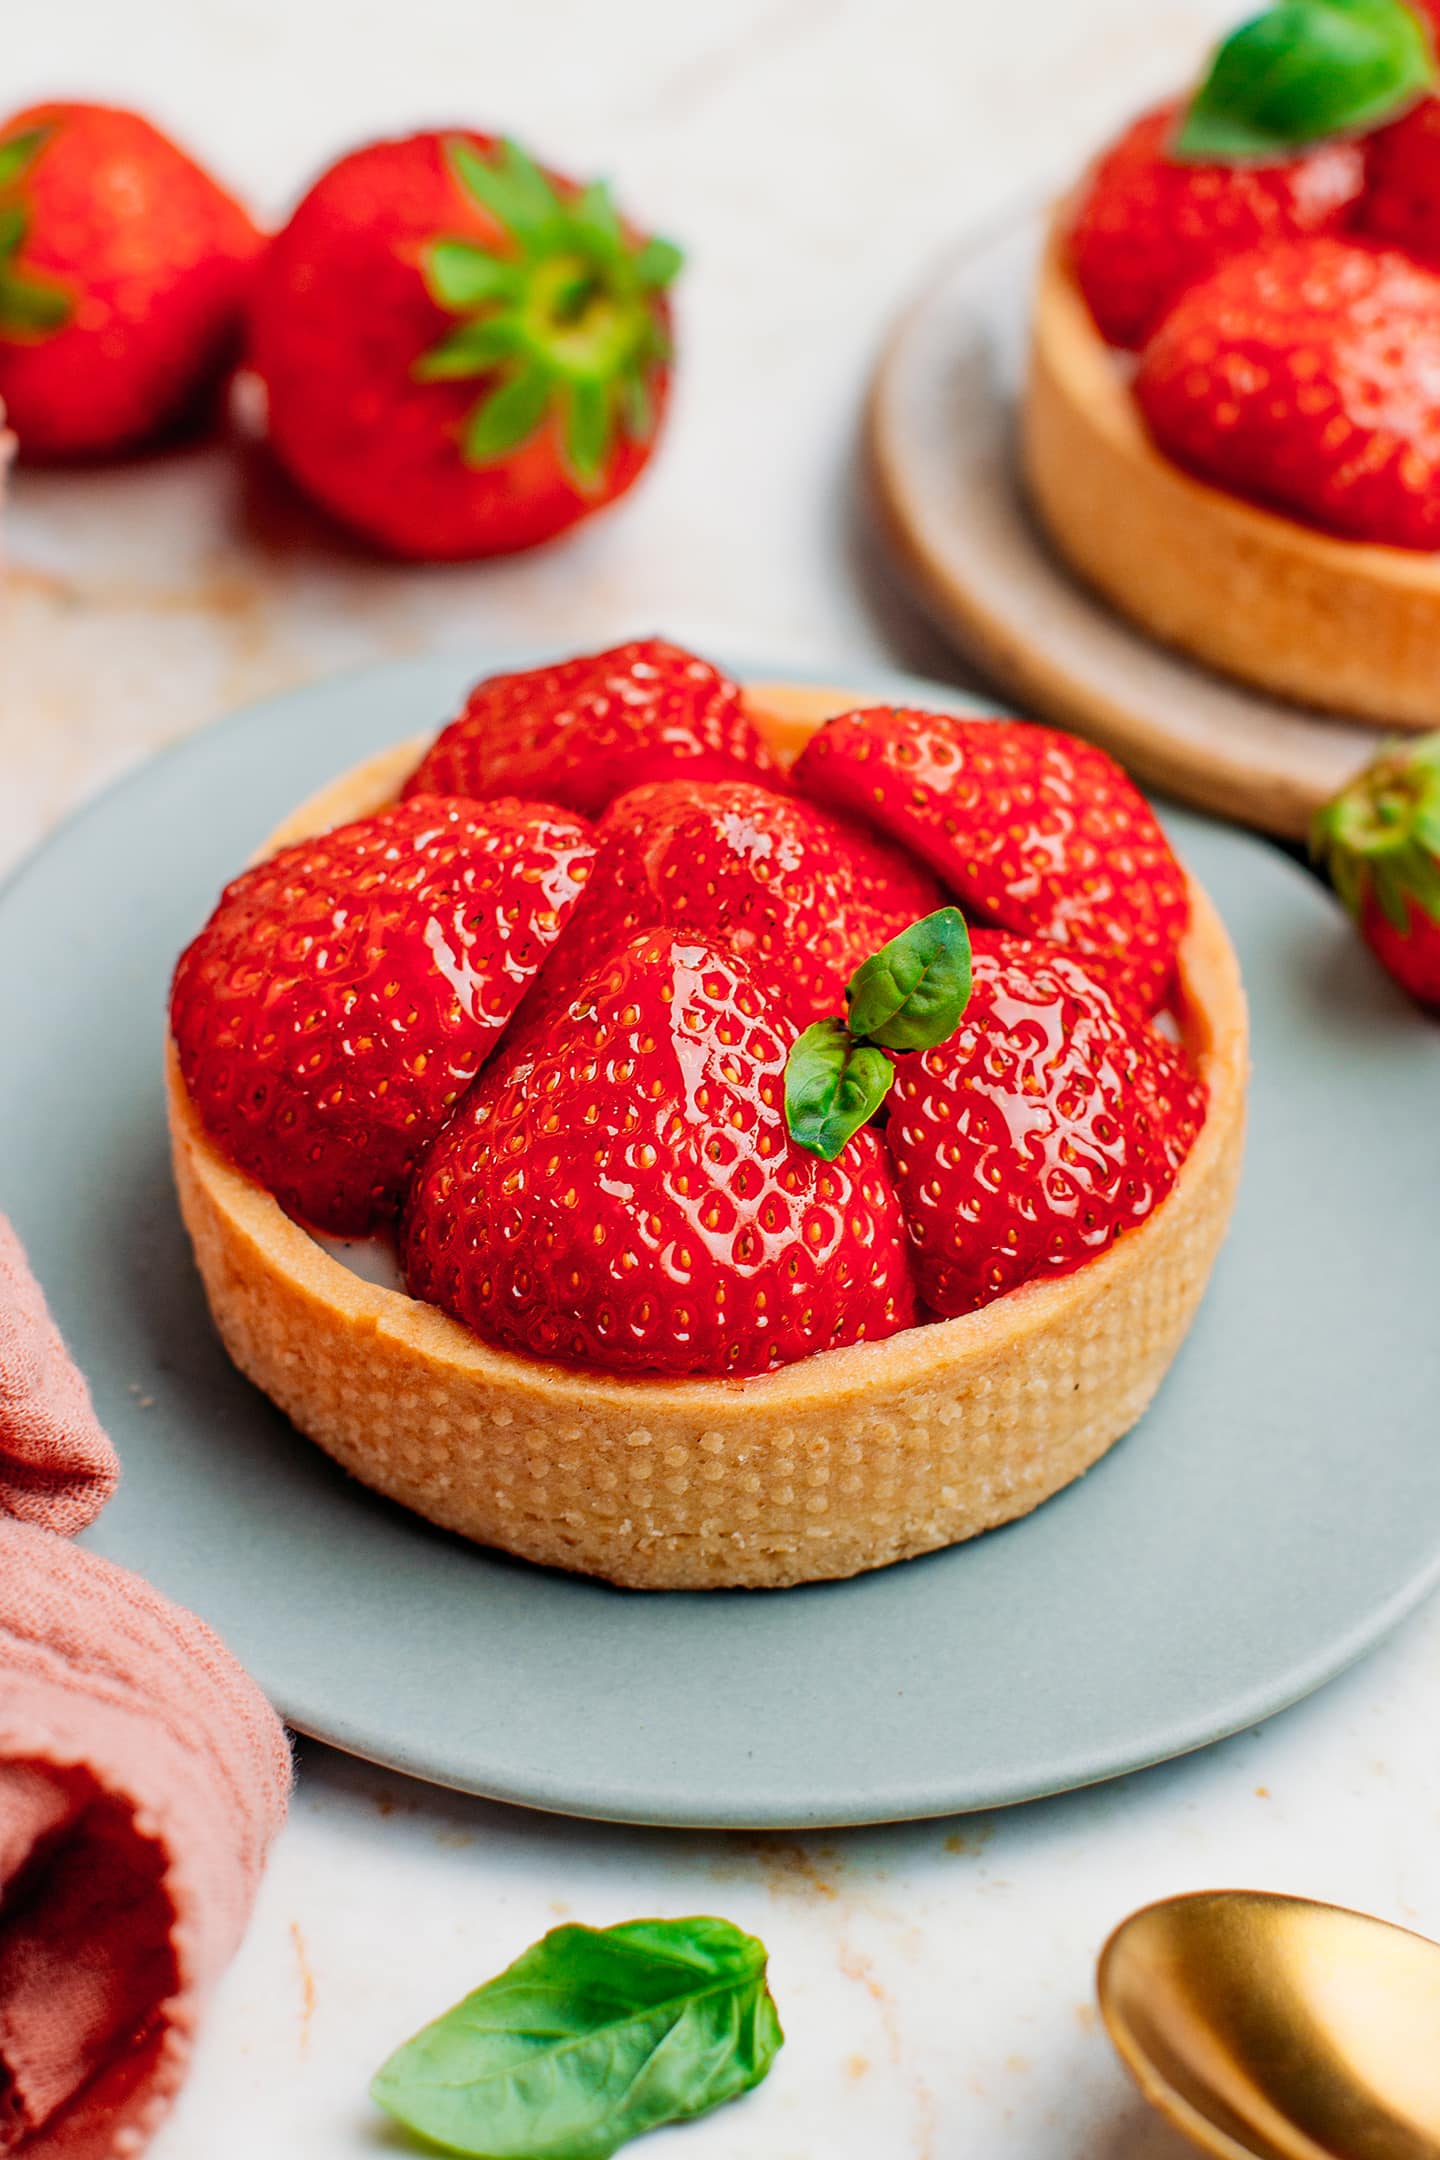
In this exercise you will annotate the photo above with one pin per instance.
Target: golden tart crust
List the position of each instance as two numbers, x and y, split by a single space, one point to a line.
1341 625
845 1461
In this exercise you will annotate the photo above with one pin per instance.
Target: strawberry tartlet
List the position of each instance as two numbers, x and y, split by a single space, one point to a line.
1231 425
801 1131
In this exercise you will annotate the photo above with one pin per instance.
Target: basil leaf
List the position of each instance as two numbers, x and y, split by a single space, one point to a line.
1304 70
911 994
591 2037
832 1085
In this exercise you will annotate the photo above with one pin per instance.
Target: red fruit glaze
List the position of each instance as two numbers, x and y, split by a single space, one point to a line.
1044 1127
623 1192
341 319
802 896
149 261
583 731
1307 378
1147 227
1033 830
345 992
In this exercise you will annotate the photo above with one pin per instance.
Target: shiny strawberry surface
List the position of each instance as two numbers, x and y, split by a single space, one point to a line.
805 896
345 992
583 731
1146 227
1307 379
1030 830
620 1191
1050 1123
1401 203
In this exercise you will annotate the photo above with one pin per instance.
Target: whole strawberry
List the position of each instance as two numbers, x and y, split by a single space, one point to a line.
1044 1127
345 992
1031 830
1307 378
1380 841
583 731
123 272
622 1192
802 895
462 354
1148 226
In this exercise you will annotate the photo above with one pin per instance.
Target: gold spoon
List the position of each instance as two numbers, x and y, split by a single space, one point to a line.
1276 2027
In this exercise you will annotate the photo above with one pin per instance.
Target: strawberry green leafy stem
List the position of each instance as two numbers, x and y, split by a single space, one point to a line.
566 318
910 995
30 307
1381 836
591 2037
1302 71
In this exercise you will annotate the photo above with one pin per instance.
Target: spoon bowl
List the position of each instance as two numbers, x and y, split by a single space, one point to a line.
1276 2027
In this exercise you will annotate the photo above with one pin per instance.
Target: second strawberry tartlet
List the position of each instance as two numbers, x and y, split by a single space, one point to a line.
1231 426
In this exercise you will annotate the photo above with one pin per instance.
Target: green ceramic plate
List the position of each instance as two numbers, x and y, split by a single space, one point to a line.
1275 1513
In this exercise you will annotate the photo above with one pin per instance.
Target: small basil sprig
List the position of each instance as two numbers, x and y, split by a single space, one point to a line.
1302 71
908 996
833 1084
591 2037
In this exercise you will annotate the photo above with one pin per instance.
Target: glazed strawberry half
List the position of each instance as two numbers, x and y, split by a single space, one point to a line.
1307 378
1380 841
1030 830
802 895
583 731
346 991
123 273
463 353
1026 1142
623 1191
1149 224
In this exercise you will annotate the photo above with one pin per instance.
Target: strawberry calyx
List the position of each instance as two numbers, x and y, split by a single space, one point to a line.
910 995
566 318
30 307
1380 837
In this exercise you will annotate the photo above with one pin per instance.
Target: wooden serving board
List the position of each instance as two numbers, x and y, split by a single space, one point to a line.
940 437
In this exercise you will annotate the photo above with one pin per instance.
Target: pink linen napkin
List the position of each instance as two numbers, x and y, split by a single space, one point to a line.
142 1778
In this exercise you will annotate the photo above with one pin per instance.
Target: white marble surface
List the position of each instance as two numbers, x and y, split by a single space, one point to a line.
814 154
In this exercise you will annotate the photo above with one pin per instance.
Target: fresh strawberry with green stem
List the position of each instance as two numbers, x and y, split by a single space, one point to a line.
1380 841
1148 225
463 354
1028 829
803 896
1026 1142
345 992
1307 378
621 1191
583 731
123 273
